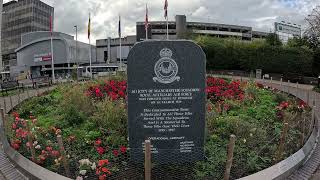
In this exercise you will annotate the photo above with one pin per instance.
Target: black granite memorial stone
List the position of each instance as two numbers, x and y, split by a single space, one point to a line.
166 100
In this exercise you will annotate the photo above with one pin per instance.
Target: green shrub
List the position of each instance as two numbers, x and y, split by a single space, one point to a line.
77 107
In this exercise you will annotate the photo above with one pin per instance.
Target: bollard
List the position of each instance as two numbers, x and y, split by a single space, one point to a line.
4 105
37 87
313 120
288 87
5 122
282 141
63 156
11 102
30 140
28 93
308 97
303 129
297 90
19 99
281 81
147 160
229 157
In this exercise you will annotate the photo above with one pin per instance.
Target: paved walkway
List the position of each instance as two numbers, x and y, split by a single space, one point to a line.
7 169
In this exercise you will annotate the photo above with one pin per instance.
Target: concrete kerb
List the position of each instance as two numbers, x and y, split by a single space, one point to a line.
32 170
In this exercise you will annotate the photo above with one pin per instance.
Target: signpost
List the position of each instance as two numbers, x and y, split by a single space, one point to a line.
166 100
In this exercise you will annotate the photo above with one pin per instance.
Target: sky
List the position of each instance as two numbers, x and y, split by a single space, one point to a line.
259 14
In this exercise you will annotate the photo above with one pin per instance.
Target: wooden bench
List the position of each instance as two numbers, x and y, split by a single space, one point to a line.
41 81
11 85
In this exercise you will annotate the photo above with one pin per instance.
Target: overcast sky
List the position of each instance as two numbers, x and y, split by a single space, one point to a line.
260 14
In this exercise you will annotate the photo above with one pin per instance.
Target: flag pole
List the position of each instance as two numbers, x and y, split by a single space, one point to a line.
167 29
147 22
51 39
91 74
166 16
120 50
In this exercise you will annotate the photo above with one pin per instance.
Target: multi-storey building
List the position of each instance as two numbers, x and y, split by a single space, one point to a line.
20 17
180 29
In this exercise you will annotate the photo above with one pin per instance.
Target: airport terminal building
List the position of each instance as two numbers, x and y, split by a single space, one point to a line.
34 54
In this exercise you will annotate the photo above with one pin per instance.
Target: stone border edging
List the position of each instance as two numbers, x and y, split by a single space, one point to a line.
28 167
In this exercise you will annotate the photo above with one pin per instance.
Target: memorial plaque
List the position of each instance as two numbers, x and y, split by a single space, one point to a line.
166 100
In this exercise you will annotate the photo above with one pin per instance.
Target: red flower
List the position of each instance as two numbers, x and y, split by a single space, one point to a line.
15 114
102 177
115 153
15 146
121 94
100 150
48 148
42 158
44 153
98 142
302 104
55 153
283 105
14 126
103 162
105 170
123 149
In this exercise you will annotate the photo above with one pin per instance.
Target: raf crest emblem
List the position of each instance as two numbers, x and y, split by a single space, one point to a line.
166 69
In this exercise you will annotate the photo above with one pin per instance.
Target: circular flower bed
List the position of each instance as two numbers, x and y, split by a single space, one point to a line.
92 120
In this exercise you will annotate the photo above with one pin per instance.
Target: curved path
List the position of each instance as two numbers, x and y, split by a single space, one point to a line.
8 170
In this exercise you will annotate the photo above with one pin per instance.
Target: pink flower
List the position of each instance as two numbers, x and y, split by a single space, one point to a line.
100 150
49 148
55 153
123 149
115 153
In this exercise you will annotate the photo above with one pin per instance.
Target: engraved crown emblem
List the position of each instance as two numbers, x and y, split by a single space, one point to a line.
166 53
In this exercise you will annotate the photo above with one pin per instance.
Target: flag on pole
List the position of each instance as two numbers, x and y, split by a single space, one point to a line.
119 30
89 26
146 23
166 9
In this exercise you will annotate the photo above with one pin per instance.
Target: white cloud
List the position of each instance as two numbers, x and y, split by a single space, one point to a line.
260 14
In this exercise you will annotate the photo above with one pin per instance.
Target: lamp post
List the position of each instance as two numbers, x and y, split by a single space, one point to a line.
76 58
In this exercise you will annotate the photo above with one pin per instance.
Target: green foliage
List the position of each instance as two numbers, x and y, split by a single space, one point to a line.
111 115
233 54
273 40
77 106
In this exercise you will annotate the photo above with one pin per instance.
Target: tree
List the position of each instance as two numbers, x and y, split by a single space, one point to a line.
273 40
313 29
313 35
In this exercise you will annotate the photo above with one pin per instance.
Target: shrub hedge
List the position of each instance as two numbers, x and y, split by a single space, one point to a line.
234 54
